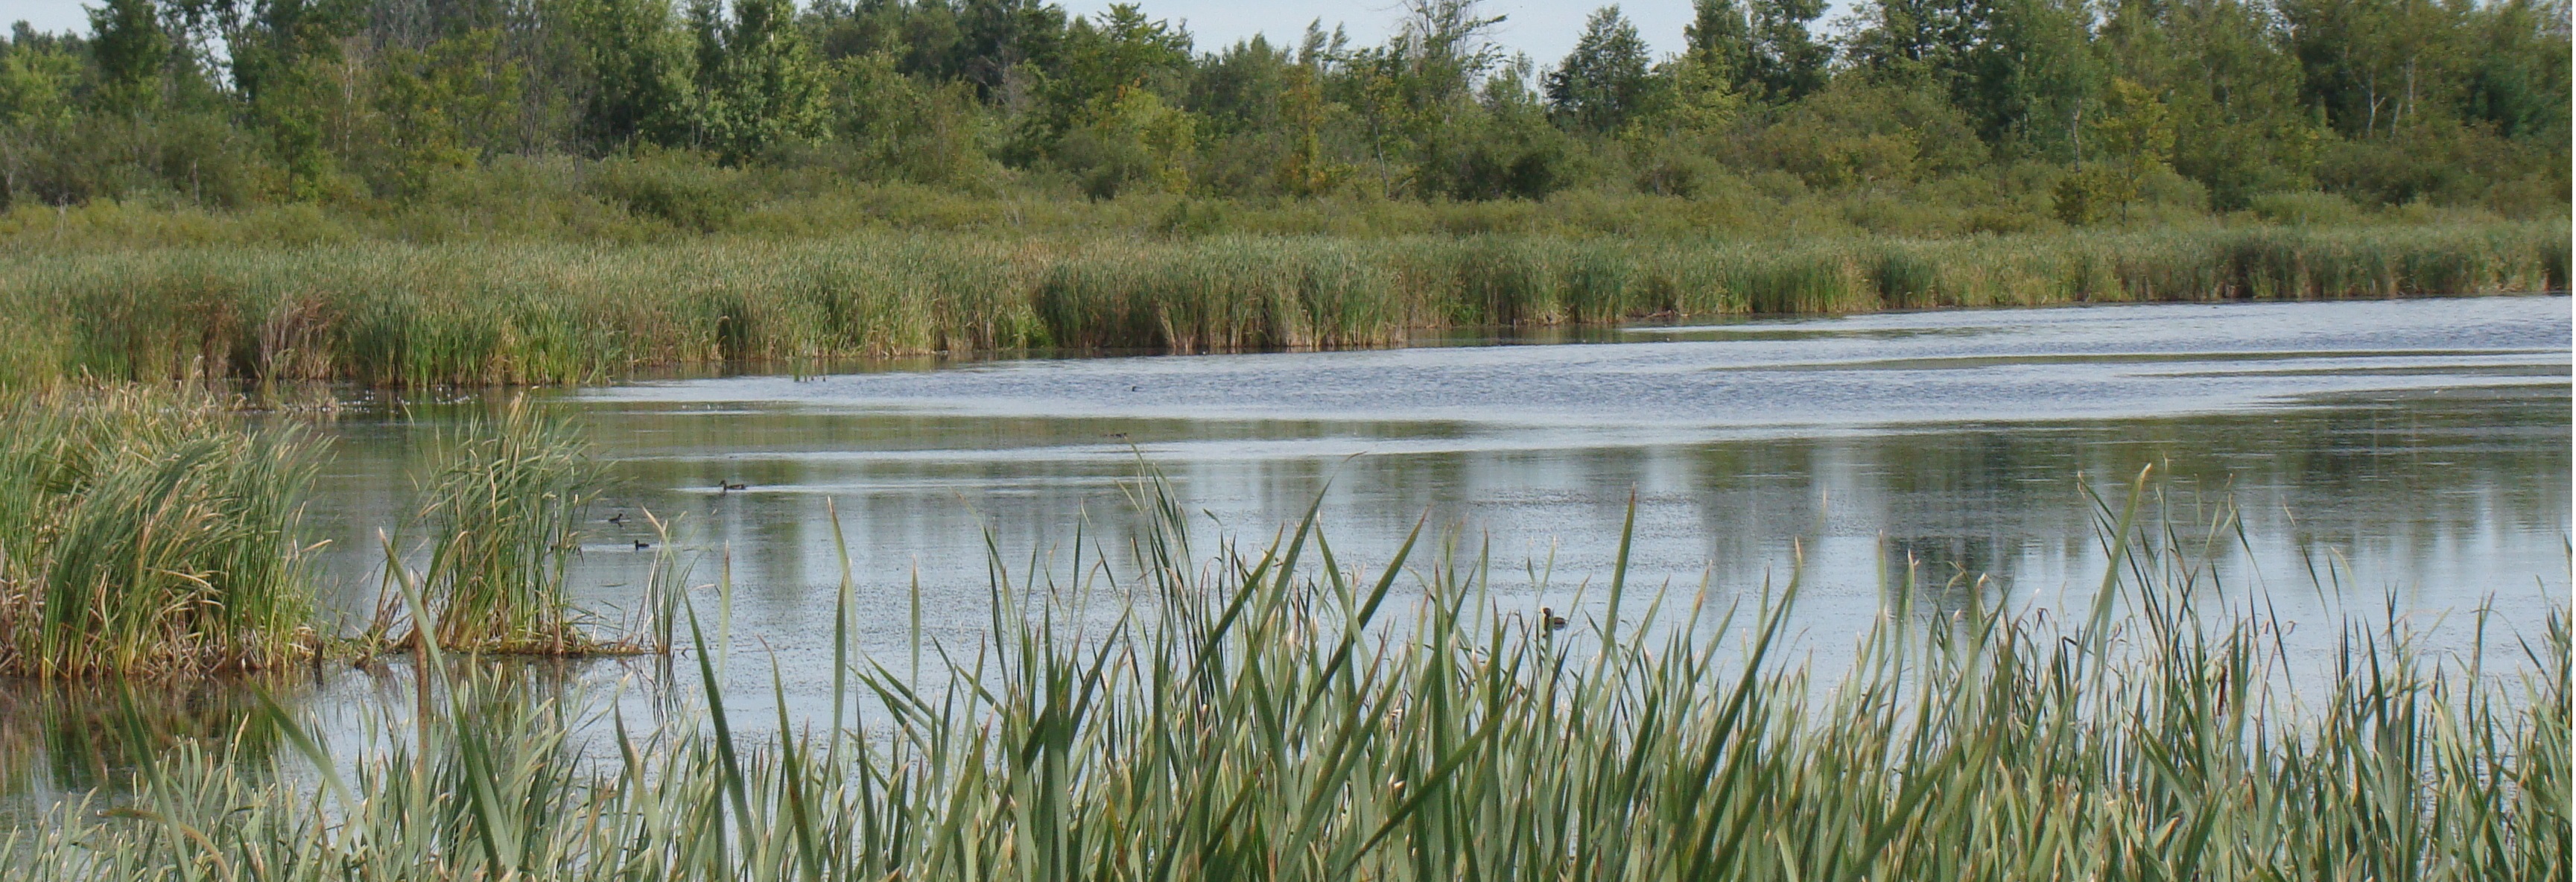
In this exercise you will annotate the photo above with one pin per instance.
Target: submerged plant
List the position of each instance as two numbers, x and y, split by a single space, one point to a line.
149 532
1272 714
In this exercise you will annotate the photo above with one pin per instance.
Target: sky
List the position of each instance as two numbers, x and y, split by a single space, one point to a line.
1546 30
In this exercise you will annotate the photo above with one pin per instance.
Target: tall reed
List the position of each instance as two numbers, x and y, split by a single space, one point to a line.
537 313
503 509
1272 714
149 532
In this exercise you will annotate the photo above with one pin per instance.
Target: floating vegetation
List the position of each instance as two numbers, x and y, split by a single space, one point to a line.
539 313
149 533
1269 714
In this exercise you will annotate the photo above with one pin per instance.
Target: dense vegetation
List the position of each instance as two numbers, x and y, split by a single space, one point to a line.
509 312
149 533
1268 714
159 532
624 118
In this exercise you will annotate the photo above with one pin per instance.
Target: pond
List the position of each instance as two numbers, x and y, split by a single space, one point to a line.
2408 455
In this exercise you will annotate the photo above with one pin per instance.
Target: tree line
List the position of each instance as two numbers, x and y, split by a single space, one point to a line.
2093 106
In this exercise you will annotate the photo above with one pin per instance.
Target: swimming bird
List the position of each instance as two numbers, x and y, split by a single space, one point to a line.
1548 618
722 487
618 518
641 545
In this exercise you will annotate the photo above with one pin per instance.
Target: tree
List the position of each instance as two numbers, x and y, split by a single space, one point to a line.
1719 42
279 62
130 48
2372 63
893 125
1127 137
1501 147
2133 138
36 81
2519 83
443 104
2240 127
998 40
759 85
1105 104
1788 63
2020 69
1603 82
639 89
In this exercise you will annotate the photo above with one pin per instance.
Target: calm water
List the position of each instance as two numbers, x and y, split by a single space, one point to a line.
2414 453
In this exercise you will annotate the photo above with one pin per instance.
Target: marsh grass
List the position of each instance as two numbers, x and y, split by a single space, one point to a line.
1267 712
502 509
149 532
534 313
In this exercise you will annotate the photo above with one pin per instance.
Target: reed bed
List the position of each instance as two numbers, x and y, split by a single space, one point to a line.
148 533
475 314
1266 713
159 532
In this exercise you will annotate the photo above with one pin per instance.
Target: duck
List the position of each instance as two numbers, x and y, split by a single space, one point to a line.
1550 620
618 518
641 545
722 487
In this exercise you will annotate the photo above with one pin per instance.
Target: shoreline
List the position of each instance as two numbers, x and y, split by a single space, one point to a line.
386 314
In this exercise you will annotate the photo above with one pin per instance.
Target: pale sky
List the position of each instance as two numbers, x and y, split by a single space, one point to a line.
1545 30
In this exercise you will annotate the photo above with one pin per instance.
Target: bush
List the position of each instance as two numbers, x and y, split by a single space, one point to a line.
674 187
2304 209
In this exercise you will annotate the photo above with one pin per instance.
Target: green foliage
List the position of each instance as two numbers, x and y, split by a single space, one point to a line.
149 533
131 50
2132 139
758 85
1719 40
443 106
1503 147
373 107
1787 60
2305 209
1603 82
900 127
639 71
669 187
1129 137
1857 133
1192 277
503 508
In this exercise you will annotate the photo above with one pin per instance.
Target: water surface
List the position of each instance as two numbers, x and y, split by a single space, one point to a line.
2411 455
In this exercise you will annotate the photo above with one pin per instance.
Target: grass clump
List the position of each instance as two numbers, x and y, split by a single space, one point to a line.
149 532
503 506
1270 714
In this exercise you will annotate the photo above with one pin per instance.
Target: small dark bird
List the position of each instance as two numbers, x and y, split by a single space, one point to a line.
641 545
722 487
1549 618
618 518
1135 388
